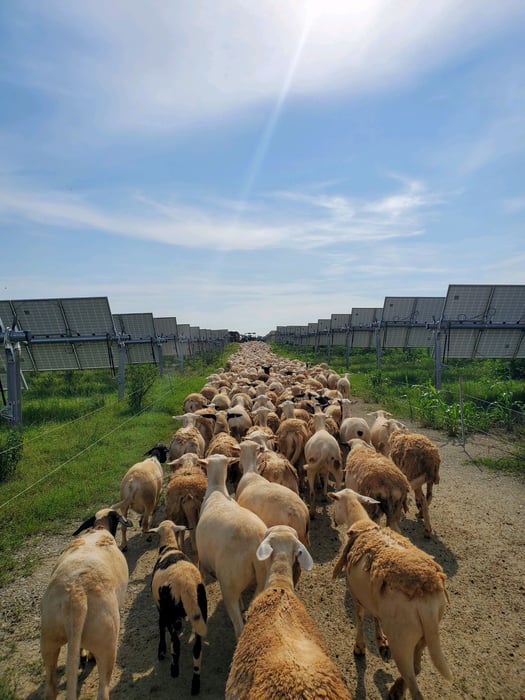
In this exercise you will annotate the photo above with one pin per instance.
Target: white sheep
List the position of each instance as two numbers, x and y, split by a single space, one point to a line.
281 653
239 420
419 459
82 602
227 537
140 489
179 593
323 457
401 586
381 429
343 386
372 474
273 503
352 426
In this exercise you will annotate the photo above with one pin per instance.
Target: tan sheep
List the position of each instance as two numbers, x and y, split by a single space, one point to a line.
193 402
179 593
184 496
343 386
323 457
274 503
401 586
381 429
419 459
281 653
81 605
187 438
276 468
140 490
227 538
374 475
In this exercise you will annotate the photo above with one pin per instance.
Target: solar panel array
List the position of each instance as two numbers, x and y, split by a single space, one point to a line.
473 321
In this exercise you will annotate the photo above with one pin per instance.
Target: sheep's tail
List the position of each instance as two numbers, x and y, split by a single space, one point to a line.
196 607
430 622
77 609
342 559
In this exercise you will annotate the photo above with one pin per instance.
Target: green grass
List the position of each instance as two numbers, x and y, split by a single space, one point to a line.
491 392
69 469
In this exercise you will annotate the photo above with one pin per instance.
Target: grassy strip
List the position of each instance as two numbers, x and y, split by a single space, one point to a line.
493 393
68 470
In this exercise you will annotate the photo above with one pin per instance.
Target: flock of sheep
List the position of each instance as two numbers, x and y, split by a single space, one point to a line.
260 443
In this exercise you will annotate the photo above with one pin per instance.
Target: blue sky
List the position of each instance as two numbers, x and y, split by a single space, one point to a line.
243 165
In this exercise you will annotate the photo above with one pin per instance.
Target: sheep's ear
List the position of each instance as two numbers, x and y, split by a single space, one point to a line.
124 521
179 528
334 495
367 499
303 557
177 417
264 550
153 531
85 525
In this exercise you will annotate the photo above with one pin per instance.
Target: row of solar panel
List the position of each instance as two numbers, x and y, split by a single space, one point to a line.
82 333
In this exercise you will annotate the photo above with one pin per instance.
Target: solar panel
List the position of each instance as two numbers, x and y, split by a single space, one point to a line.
507 304
460 342
61 317
412 310
420 338
323 325
394 337
139 326
466 302
167 327
365 317
498 343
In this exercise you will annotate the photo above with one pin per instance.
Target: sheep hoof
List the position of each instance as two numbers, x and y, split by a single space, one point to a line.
195 685
397 691
358 651
427 534
174 671
124 548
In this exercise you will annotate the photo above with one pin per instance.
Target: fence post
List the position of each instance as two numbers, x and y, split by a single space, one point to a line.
461 412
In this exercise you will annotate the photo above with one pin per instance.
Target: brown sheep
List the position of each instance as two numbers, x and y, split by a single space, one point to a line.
280 652
419 459
184 496
374 475
401 586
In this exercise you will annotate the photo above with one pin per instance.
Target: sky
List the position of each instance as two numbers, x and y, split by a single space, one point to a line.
247 165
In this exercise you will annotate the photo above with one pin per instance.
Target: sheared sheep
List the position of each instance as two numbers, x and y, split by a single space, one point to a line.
179 593
140 489
372 474
401 586
419 459
82 602
273 503
381 429
281 653
227 537
323 457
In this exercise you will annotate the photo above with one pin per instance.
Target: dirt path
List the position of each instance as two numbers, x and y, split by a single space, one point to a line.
478 517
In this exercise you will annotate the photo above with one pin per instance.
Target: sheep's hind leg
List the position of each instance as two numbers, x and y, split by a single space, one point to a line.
360 644
175 648
382 641
197 658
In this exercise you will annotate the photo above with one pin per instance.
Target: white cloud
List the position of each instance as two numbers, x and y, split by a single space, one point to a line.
311 221
170 65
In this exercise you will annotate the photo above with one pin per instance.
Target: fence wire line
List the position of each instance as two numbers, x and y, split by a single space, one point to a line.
71 459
